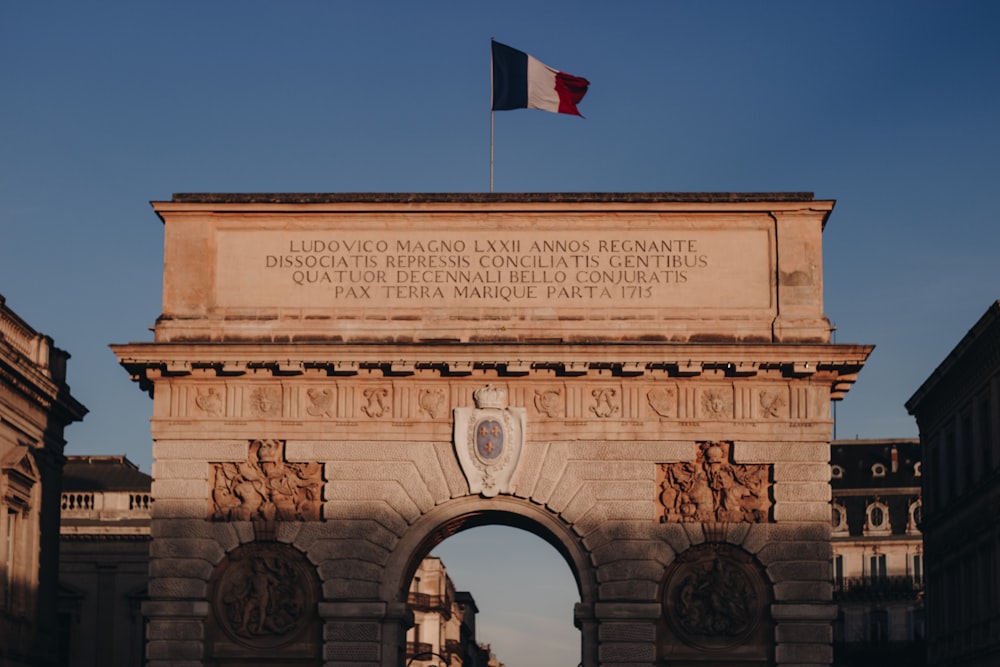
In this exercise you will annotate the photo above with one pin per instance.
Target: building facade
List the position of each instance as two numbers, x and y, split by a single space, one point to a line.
878 558
35 408
444 622
341 381
958 413
103 562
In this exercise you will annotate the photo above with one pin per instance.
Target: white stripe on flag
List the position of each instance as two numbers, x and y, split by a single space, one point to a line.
542 86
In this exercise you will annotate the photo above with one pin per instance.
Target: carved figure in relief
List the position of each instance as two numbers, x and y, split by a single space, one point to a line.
265 401
713 489
263 599
209 401
267 487
716 403
772 404
376 402
322 402
716 600
549 402
606 403
431 401
663 400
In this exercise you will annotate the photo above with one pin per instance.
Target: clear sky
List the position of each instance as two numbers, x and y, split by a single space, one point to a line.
891 108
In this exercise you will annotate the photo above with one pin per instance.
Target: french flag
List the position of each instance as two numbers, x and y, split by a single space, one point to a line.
522 82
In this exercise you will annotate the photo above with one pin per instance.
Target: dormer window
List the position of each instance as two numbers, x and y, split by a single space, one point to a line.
916 516
916 469
838 518
877 518
878 470
837 471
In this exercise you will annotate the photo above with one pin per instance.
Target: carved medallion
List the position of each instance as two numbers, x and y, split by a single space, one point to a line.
265 596
663 400
549 402
717 403
320 402
378 402
488 441
209 401
605 402
714 598
264 401
773 404
714 489
431 402
266 487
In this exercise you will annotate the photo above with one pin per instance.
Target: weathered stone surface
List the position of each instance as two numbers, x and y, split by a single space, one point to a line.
818 654
361 386
805 633
176 587
176 629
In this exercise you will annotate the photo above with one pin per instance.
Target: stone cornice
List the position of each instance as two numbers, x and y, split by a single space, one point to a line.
836 363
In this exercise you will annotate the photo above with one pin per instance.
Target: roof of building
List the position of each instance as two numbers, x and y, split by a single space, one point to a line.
978 345
104 473
483 197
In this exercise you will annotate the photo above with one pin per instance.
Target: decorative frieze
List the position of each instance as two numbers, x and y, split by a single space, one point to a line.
266 487
714 489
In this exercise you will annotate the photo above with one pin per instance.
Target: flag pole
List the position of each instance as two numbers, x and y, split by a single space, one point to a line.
491 114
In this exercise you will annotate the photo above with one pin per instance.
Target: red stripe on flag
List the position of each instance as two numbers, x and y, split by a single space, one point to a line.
571 90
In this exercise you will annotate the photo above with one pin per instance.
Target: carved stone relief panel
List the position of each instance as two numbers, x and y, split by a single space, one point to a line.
264 596
263 401
714 489
606 402
715 603
773 403
716 403
432 402
376 402
209 401
550 402
663 400
266 487
321 401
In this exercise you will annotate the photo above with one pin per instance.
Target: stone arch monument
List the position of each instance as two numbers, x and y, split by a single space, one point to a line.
341 381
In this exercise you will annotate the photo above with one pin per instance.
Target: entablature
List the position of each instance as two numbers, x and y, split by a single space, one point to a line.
837 364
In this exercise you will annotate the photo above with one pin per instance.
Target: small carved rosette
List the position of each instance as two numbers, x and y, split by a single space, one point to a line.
488 441
266 487
713 489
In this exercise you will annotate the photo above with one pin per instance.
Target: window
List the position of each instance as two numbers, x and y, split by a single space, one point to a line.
877 570
837 471
838 569
878 626
877 518
916 517
838 517
878 470
918 569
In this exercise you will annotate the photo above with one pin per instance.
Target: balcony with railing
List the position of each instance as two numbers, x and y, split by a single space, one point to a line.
878 587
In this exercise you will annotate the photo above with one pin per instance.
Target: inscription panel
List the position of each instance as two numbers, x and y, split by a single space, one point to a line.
680 268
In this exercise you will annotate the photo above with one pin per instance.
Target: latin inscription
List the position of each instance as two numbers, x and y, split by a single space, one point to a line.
529 269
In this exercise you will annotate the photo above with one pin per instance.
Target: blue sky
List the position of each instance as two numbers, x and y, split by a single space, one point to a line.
891 108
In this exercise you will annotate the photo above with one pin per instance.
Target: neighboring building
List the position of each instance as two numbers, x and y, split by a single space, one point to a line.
444 622
104 561
958 412
35 408
877 552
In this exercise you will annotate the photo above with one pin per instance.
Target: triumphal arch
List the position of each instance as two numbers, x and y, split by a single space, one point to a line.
341 381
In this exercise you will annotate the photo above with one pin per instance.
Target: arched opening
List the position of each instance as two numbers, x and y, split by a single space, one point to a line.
457 528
